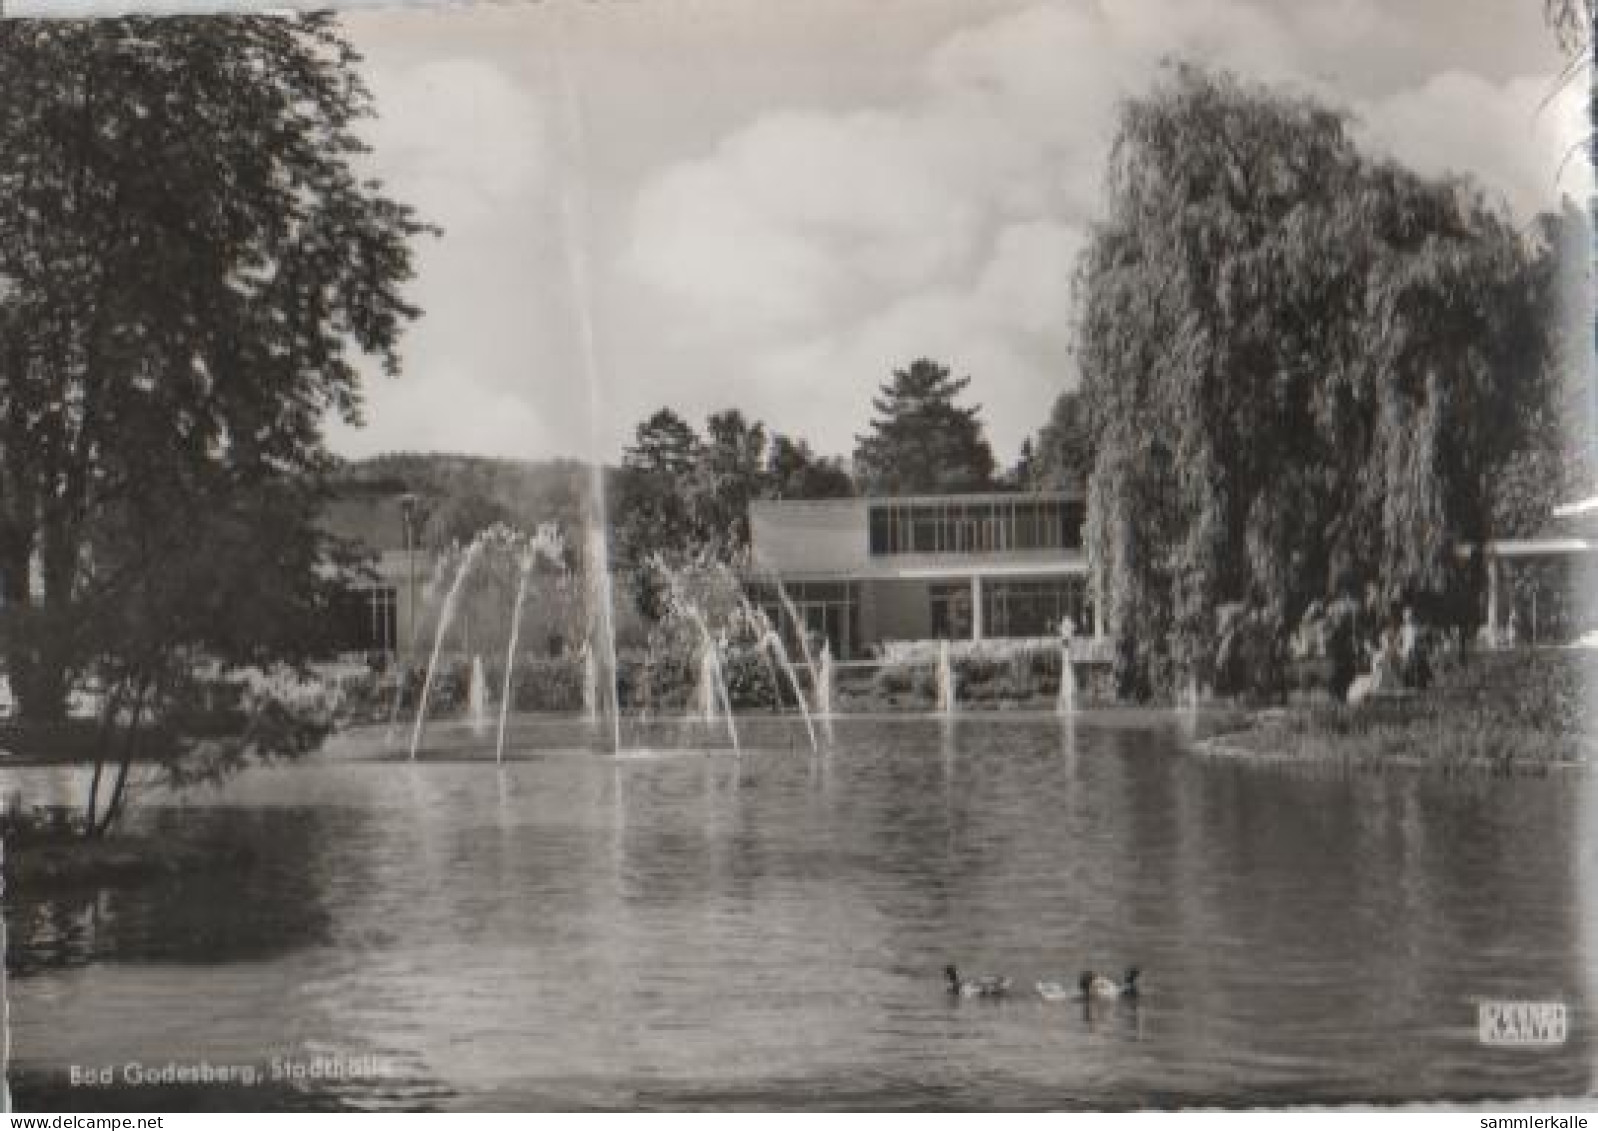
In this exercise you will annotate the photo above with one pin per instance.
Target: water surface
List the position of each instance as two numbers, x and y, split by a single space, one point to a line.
680 929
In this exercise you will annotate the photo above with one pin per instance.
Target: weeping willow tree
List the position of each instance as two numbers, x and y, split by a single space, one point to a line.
1301 366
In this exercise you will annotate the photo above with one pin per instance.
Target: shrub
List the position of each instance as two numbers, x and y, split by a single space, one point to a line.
748 677
548 684
894 680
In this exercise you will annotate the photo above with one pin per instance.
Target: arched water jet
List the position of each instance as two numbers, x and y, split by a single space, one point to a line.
510 653
547 543
429 594
717 682
804 643
446 614
772 643
712 679
760 624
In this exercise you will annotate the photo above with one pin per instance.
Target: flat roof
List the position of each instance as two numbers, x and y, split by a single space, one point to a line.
1531 547
929 500
1579 507
882 569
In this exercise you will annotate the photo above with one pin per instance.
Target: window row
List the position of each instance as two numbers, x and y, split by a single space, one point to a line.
990 526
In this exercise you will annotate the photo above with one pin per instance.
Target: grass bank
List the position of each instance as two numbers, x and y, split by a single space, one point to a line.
1527 707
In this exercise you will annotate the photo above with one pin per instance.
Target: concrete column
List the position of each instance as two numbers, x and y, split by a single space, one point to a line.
867 611
976 607
1492 600
1098 608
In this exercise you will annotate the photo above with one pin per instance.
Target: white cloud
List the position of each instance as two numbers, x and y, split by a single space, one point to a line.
449 410
1026 282
457 138
817 251
1512 136
467 146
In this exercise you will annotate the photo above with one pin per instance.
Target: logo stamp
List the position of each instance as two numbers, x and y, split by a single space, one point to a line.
1522 1023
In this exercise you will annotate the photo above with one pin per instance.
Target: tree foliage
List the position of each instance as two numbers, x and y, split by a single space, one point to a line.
921 440
685 497
653 507
731 472
794 471
1555 413
190 265
1062 458
1301 367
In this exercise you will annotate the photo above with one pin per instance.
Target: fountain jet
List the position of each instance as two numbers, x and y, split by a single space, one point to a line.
477 698
946 691
771 643
445 615
1066 703
590 685
506 691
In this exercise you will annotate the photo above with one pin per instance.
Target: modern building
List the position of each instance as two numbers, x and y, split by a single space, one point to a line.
868 572
379 614
1544 589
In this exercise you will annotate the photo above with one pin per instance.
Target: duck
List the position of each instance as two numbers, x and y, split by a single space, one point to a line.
1055 991
988 985
1093 985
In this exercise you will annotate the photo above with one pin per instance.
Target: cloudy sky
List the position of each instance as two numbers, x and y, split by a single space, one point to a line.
710 203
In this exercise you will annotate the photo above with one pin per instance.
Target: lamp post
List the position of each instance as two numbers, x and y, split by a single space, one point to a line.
408 510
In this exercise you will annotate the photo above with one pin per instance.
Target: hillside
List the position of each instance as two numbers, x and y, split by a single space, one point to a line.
461 494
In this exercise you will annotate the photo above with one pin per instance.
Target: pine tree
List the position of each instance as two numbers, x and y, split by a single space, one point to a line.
921 440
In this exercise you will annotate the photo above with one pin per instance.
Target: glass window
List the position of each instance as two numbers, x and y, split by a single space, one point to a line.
1034 608
366 620
965 527
881 527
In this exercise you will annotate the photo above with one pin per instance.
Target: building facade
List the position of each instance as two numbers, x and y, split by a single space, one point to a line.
1544 589
380 614
868 572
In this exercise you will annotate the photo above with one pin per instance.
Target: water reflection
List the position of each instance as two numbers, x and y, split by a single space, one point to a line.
673 929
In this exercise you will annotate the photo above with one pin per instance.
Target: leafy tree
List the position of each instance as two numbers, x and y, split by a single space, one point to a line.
1022 476
1063 457
1572 23
794 471
1554 412
921 441
461 516
731 472
1301 366
189 263
684 499
666 444
240 577
653 511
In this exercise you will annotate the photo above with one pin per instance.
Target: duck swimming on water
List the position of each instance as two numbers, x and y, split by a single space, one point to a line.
1099 986
988 985
1092 987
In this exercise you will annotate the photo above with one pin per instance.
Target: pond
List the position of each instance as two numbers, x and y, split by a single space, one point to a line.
687 929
